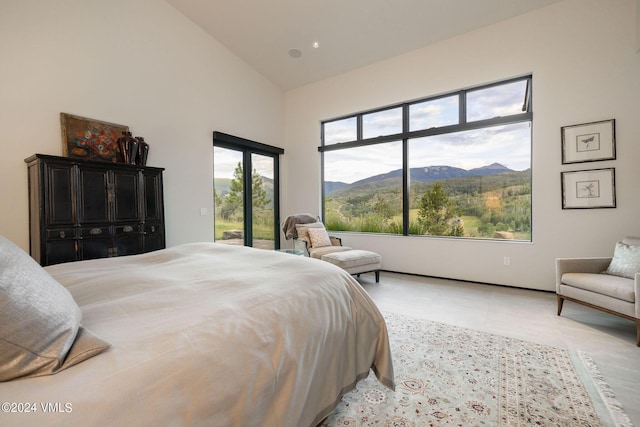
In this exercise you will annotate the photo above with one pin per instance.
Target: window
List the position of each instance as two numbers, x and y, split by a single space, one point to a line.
340 131
380 123
455 165
434 113
356 204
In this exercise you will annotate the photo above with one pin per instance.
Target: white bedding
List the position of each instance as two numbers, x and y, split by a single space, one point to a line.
209 334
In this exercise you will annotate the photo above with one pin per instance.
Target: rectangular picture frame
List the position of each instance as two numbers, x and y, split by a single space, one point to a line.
589 142
589 189
90 139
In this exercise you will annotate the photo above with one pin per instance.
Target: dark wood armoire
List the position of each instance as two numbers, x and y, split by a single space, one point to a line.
88 209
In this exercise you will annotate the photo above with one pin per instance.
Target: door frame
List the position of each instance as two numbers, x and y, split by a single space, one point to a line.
249 147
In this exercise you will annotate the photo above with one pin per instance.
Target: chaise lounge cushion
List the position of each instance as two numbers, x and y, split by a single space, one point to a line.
322 251
355 261
613 286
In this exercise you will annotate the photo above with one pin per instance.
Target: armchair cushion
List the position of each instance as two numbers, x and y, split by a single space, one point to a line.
625 262
613 286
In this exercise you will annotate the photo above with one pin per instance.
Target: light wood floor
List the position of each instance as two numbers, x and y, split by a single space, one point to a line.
523 314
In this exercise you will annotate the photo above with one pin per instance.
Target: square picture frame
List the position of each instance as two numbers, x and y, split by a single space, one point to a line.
90 139
589 142
589 189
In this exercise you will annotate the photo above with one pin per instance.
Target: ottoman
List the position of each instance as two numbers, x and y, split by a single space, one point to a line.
355 261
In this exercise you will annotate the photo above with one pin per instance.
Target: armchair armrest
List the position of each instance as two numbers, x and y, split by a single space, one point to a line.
579 265
301 245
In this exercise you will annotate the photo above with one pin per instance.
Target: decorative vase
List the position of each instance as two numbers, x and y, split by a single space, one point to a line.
143 151
128 147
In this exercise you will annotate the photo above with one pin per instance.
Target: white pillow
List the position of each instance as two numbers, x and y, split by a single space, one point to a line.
319 237
40 330
625 262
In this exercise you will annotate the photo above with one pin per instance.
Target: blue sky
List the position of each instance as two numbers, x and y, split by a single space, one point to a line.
509 145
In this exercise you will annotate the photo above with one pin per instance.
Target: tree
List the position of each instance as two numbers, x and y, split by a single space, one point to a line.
437 213
382 207
231 204
258 192
217 200
260 201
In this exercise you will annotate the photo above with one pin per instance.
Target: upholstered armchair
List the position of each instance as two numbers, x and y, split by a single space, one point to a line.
610 284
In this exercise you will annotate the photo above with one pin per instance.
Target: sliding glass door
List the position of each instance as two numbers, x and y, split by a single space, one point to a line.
246 195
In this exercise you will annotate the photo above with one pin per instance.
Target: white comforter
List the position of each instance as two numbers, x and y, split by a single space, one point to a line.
210 334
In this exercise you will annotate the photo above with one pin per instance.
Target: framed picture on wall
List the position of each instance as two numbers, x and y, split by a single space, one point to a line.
589 142
589 189
90 139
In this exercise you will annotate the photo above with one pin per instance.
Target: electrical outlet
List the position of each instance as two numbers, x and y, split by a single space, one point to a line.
507 260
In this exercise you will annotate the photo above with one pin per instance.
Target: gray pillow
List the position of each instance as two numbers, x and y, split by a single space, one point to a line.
625 261
40 331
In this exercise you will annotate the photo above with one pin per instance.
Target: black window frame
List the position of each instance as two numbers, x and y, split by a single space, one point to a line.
406 134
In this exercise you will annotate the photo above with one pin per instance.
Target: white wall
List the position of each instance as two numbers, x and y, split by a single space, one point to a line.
582 54
142 64
134 62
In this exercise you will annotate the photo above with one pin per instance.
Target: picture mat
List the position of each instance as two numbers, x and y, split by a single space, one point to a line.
588 189
588 142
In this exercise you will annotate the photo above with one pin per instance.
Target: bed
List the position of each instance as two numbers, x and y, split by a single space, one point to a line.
200 334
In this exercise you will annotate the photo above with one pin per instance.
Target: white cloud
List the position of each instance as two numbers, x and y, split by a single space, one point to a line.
509 145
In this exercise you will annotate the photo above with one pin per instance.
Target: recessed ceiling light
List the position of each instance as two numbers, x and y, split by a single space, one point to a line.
295 53
316 45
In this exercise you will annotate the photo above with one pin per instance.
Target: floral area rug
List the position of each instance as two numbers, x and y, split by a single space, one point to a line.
451 376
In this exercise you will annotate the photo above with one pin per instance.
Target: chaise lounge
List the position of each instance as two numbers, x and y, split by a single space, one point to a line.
311 238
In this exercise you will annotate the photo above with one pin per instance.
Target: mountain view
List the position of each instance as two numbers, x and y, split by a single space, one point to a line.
481 201
426 174
477 202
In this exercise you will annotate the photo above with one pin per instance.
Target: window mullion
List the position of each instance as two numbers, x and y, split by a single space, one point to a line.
406 177
247 197
406 187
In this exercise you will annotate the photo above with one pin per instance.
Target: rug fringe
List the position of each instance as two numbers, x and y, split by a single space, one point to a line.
620 418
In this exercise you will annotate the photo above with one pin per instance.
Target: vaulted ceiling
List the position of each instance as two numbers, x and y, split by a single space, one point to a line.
276 37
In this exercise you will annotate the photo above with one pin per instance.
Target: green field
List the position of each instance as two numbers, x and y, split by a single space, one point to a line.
260 231
484 204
